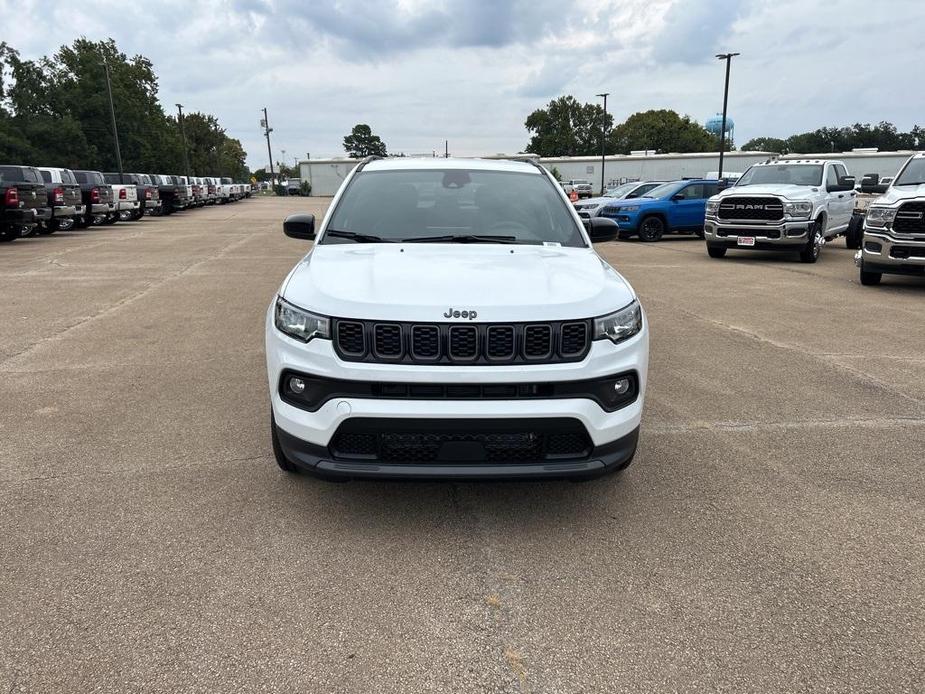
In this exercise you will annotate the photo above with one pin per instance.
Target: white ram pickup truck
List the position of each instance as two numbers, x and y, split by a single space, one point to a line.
782 206
125 205
894 227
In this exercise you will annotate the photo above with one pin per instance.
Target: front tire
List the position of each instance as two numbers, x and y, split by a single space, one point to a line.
870 279
855 232
284 463
651 229
716 251
810 254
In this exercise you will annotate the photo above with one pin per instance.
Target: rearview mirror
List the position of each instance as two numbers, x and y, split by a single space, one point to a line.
300 226
601 229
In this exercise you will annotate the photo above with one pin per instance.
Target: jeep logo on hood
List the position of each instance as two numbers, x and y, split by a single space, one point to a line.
453 313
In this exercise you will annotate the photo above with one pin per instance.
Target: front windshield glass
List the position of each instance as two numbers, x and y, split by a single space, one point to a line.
620 191
665 190
783 174
912 175
452 204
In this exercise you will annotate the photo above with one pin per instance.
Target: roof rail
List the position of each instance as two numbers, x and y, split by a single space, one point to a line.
366 160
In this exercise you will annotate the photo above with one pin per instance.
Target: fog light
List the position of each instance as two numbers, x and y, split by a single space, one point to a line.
297 385
621 386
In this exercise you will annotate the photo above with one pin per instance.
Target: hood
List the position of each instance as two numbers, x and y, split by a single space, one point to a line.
790 192
897 194
420 282
595 201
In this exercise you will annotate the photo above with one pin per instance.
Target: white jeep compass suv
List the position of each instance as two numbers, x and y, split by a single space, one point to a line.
453 321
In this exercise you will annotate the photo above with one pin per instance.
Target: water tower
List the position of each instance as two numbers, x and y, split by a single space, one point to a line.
714 124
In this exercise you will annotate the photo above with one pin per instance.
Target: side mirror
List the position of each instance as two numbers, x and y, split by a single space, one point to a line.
870 183
300 226
847 182
677 196
601 229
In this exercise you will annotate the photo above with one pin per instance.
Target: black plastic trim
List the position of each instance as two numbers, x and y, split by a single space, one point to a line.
320 390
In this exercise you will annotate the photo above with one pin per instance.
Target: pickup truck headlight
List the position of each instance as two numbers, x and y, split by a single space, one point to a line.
712 208
301 324
880 216
619 325
798 210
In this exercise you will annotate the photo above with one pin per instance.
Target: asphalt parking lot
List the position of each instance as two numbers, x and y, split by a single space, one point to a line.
770 535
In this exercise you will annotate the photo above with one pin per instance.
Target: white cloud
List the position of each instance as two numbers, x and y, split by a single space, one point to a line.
471 71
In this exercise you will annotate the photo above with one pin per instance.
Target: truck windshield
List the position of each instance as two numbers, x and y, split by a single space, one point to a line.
913 173
453 206
18 173
783 174
666 190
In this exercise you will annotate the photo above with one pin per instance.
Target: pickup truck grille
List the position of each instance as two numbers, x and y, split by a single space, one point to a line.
758 209
476 343
910 218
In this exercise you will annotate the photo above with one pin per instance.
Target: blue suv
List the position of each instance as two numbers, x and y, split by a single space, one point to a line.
679 206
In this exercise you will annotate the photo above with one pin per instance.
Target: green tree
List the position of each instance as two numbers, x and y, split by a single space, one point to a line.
362 143
567 128
663 131
766 144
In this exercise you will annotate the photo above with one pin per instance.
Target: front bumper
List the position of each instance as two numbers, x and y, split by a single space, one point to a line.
602 459
310 434
884 251
787 235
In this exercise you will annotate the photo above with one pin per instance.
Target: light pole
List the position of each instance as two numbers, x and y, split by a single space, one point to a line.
183 135
603 139
722 133
112 112
267 130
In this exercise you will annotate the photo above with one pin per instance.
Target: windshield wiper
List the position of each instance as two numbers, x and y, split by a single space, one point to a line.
461 238
354 236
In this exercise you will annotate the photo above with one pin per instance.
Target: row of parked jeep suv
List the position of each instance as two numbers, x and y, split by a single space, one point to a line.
49 199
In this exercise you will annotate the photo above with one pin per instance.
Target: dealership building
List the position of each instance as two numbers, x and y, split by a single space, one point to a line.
326 175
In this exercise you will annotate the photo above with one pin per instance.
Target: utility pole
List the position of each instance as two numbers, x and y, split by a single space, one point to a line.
446 149
603 140
112 112
185 146
267 130
722 135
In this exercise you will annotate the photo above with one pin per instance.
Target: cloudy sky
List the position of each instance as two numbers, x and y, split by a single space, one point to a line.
421 71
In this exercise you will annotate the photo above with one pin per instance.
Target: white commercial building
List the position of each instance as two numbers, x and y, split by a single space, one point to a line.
326 175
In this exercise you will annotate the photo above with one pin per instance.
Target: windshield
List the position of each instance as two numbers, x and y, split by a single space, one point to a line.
783 174
428 203
913 173
666 190
620 191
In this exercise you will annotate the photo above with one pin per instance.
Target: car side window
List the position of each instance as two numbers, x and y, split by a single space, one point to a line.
710 189
840 171
692 192
831 177
46 176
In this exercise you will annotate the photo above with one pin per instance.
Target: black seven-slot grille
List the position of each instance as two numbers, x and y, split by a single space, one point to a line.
475 343
759 209
910 218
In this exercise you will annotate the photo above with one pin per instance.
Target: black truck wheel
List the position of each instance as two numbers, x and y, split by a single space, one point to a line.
855 232
716 251
651 229
810 254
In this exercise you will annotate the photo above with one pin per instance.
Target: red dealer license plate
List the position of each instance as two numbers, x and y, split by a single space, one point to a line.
746 240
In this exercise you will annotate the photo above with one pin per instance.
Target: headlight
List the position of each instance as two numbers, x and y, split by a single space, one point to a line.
631 208
800 210
712 208
620 325
880 216
300 324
